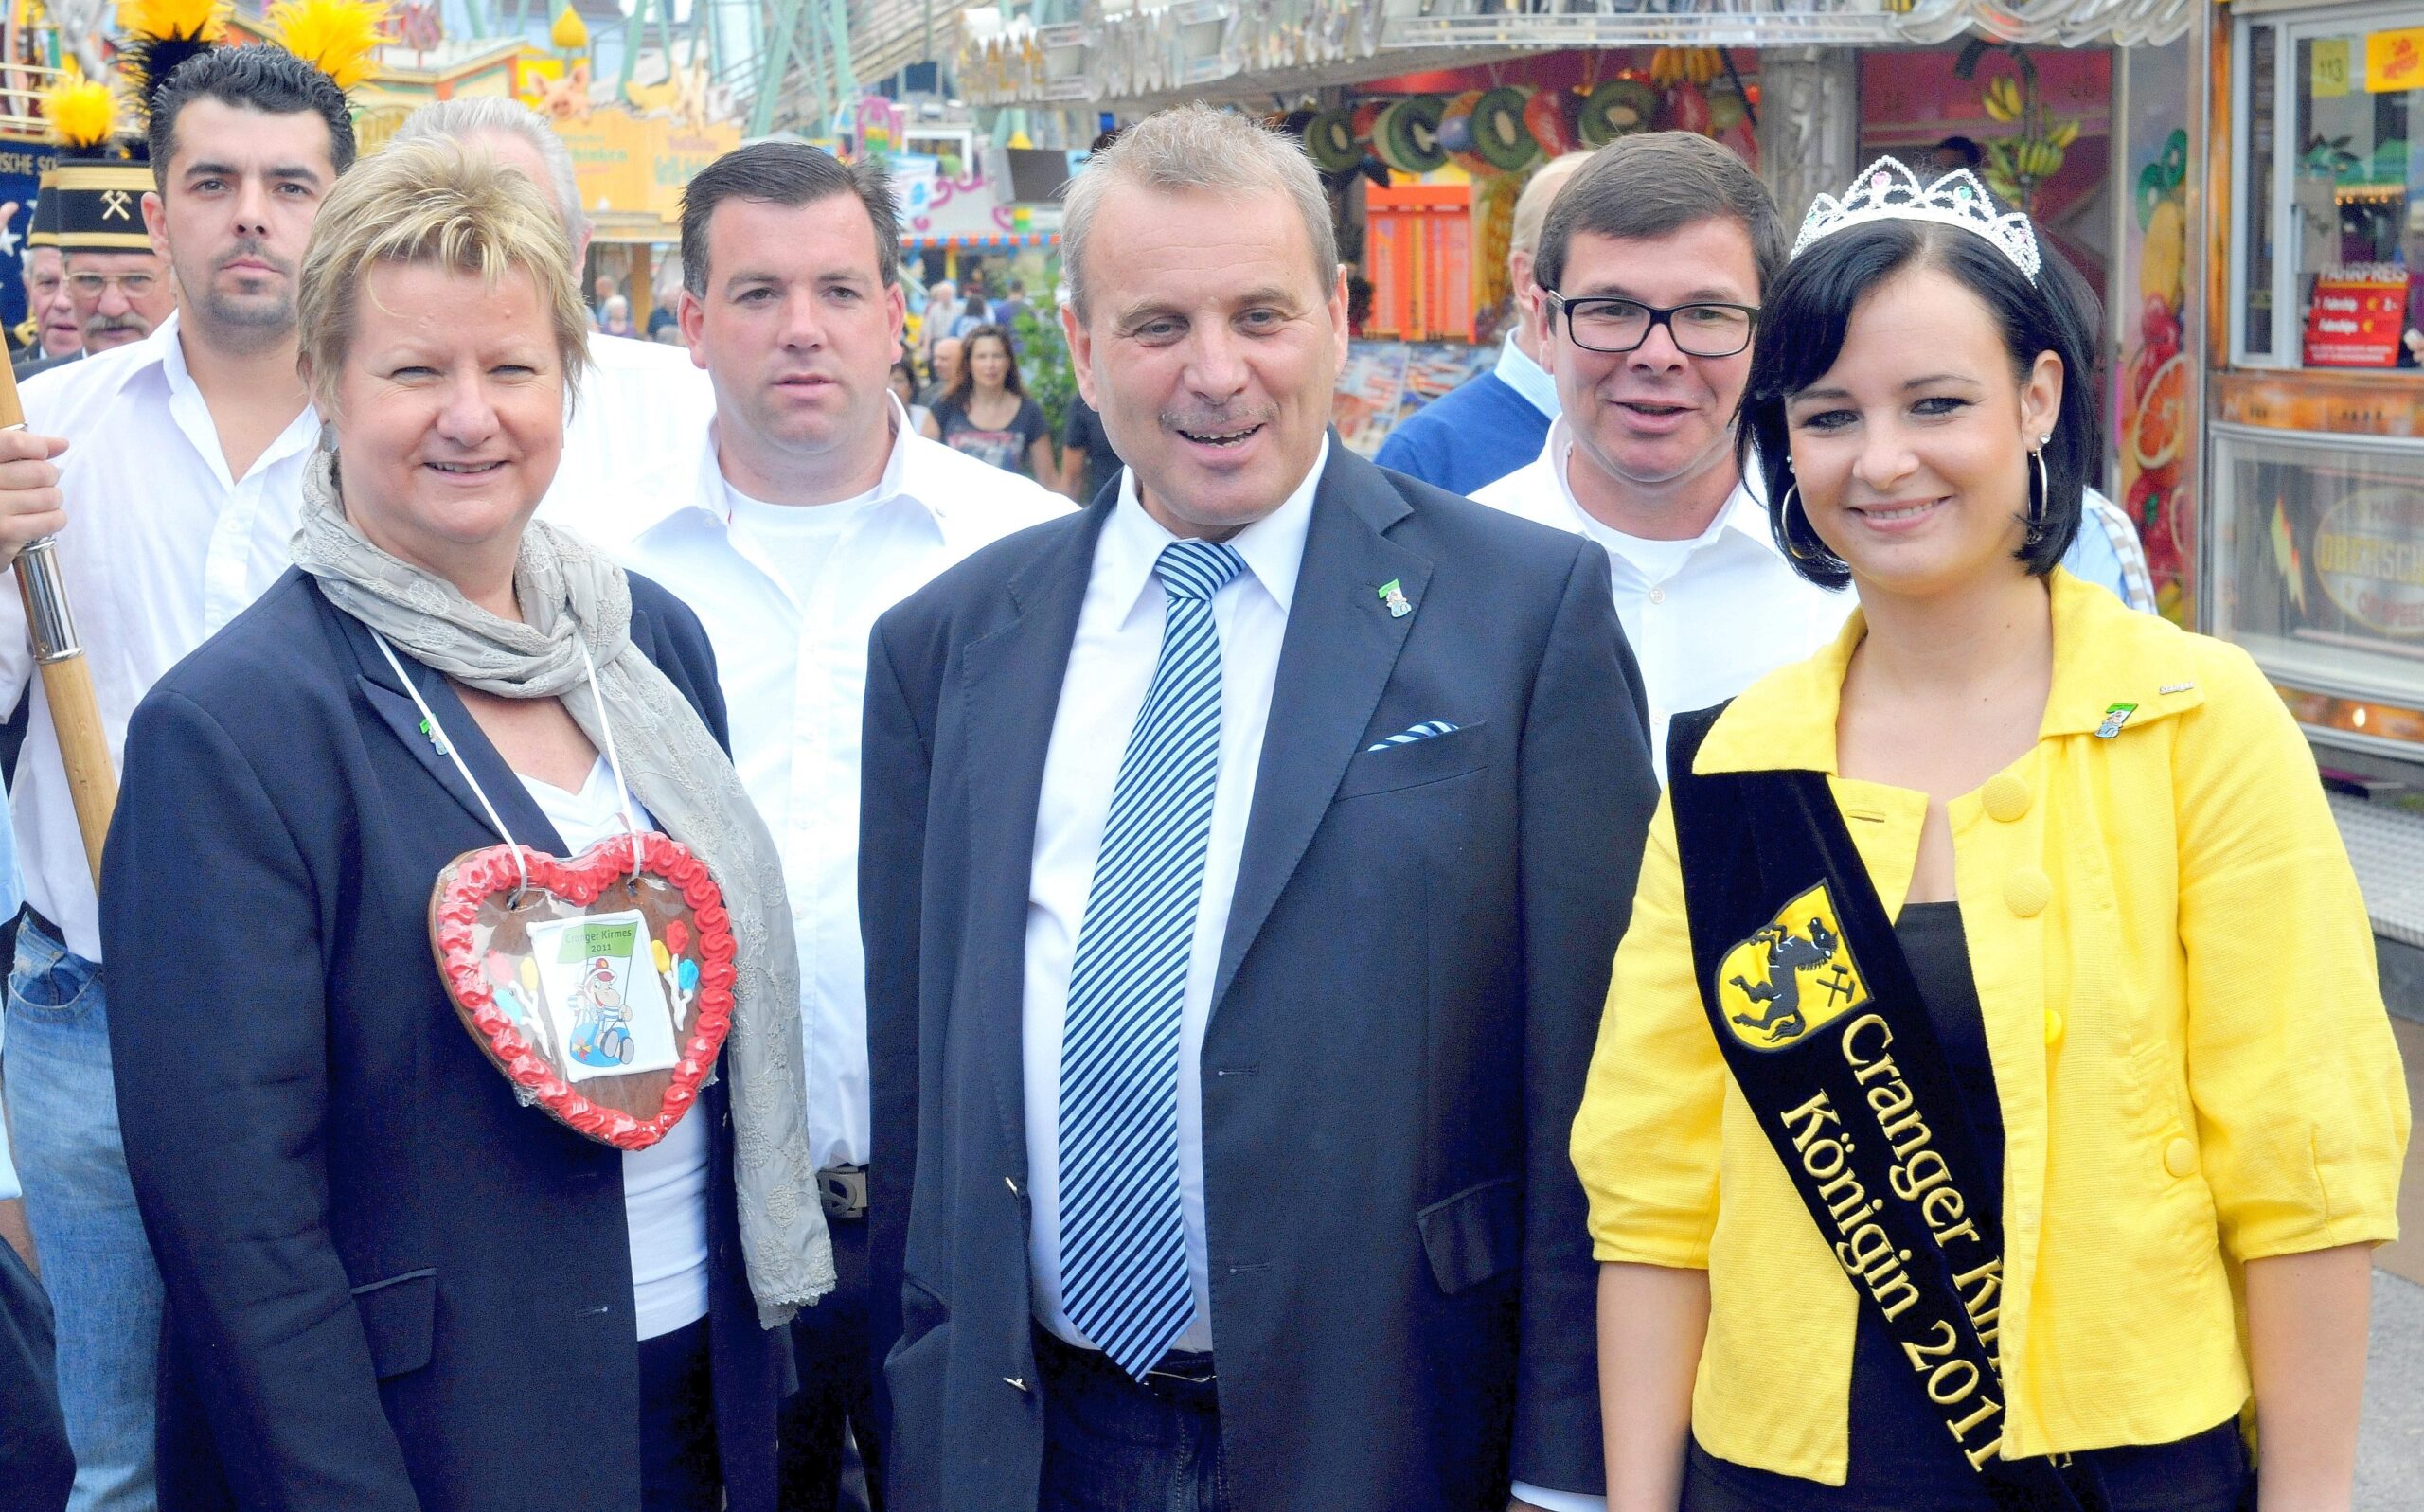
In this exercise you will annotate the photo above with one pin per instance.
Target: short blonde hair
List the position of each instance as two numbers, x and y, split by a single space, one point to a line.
1196 147
431 202
1532 205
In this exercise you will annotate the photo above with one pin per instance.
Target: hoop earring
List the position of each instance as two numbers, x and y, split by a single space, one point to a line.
1821 556
2037 502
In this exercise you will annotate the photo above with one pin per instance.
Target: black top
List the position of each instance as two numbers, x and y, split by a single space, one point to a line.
1085 429
1900 1457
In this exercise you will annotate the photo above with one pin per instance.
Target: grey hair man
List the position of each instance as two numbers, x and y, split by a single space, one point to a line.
1492 424
1287 698
641 402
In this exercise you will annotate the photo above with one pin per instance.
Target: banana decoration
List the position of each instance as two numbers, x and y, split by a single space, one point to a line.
1686 65
2016 165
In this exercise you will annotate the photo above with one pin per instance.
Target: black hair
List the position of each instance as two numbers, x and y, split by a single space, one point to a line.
269 79
1801 333
964 384
1651 185
1970 153
789 175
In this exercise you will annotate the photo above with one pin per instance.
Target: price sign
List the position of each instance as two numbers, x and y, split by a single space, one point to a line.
2395 61
2327 70
2356 322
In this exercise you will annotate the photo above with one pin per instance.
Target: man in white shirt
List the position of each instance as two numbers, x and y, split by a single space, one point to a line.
182 465
1651 265
642 404
1242 860
804 509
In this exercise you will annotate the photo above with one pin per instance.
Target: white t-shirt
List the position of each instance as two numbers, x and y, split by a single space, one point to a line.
664 1186
796 540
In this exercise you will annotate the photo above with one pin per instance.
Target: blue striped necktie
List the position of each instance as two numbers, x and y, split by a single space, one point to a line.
1124 1278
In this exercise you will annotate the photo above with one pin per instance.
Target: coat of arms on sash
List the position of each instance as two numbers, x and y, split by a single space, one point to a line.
1794 975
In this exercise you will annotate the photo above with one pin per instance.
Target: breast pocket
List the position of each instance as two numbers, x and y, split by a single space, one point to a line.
1417 763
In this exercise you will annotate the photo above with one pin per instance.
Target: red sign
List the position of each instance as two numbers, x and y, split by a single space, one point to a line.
2356 322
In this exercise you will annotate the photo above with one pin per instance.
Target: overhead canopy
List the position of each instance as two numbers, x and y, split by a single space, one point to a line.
1143 56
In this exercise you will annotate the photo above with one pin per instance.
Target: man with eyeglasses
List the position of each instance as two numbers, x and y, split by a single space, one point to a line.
1651 266
118 288
120 297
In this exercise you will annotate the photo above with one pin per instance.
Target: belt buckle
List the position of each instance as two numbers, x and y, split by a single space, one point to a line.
843 1191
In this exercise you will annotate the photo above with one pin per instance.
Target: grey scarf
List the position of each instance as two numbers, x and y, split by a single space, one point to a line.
674 768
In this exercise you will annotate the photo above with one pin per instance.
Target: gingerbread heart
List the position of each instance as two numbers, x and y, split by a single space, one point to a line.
602 993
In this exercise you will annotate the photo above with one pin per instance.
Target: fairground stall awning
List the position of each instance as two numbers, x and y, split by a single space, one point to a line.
1139 56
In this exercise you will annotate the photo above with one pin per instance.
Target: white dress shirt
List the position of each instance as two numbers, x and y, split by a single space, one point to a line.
641 406
792 655
162 548
1705 617
1110 665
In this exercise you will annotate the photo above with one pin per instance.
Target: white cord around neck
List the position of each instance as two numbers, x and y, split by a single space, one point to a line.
446 743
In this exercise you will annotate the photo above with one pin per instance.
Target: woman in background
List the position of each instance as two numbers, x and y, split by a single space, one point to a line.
986 413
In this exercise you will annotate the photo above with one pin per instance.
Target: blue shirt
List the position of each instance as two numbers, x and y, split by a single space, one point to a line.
1478 433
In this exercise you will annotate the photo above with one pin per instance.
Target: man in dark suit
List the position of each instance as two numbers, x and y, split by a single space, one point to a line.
1243 862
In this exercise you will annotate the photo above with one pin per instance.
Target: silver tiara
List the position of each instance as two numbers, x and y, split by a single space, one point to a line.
1890 192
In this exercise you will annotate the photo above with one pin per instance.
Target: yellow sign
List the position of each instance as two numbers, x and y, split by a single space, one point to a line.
625 163
1790 977
2328 67
2395 60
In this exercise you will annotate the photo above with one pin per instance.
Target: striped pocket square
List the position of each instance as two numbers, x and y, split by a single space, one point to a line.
1420 732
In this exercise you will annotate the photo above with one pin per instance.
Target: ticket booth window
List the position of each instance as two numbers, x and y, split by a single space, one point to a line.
2332 219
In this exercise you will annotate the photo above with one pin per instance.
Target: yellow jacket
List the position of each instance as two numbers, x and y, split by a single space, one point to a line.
2195 1066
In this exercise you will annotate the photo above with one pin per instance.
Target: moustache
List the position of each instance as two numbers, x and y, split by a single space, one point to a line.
1219 421
259 252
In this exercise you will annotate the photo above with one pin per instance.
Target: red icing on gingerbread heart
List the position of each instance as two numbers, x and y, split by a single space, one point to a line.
480 933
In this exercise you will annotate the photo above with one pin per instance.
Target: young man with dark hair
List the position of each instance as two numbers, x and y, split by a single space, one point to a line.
806 508
1650 267
179 457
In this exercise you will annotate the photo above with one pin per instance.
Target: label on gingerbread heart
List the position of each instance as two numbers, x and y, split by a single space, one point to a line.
603 995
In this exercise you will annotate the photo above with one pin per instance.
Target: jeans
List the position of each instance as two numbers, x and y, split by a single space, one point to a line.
1113 1445
96 1263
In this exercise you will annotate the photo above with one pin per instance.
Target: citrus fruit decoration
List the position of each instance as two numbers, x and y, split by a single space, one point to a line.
2163 255
2158 430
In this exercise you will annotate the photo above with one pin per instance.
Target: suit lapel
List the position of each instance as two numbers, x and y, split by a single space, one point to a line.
388 699
1010 685
1334 661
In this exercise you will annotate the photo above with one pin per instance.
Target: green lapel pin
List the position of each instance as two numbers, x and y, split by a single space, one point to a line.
1394 596
2115 717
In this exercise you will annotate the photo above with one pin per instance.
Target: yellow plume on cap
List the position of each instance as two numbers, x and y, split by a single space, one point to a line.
82 111
194 19
339 36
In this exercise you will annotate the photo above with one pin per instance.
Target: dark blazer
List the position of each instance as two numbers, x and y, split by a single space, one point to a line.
26 368
1418 953
389 1287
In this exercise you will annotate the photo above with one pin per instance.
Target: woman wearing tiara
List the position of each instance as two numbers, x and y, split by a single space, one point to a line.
1998 1006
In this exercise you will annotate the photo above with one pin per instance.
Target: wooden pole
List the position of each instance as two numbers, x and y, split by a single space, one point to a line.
66 677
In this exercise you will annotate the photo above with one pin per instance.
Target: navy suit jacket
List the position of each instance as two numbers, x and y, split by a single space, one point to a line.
389 1287
1416 957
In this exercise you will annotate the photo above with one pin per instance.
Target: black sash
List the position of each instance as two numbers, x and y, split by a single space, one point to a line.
1822 1025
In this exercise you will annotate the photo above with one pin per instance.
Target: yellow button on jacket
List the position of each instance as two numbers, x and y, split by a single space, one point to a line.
2189 1043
